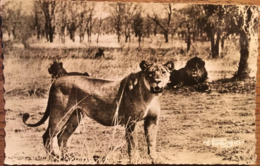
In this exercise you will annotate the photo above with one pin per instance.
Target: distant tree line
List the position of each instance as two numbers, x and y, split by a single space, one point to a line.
213 23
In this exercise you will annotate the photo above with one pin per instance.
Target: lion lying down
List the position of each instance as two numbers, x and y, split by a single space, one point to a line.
124 102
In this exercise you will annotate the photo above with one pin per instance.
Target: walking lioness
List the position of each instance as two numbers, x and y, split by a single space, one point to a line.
110 103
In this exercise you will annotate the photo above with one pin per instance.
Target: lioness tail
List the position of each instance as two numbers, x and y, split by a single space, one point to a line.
44 118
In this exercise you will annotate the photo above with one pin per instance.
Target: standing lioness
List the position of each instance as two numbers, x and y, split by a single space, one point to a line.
125 102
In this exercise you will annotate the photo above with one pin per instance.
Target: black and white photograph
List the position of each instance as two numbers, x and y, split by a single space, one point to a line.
95 82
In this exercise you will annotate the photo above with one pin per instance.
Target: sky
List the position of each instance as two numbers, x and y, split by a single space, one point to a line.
149 8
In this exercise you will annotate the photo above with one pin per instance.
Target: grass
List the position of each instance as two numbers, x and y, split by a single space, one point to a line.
27 80
28 68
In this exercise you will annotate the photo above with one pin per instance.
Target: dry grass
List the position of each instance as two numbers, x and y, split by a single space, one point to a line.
28 68
187 119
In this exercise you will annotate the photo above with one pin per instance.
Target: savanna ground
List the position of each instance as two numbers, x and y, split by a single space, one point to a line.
189 120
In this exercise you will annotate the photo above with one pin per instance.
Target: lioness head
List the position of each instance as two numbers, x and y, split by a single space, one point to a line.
56 68
156 75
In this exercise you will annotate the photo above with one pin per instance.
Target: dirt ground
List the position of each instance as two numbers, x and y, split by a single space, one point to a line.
203 128
188 124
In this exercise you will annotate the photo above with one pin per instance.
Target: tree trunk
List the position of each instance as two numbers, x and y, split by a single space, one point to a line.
148 32
62 34
212 42
9 34
38 32
245 40
14 33
71 35
51 34
188 42
48 9
166 37
46 31
243 70
222 43
89 36
215 45
194 34
81 37
155 30
25 43
139 39
118 37
98 36
217 51
188 38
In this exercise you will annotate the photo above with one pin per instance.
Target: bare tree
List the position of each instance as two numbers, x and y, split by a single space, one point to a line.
214 25
48 8
82 16
138 26
148 25
38 19
90 20
188 22
117 15
72 15
164 24
100 21
61 19
130 10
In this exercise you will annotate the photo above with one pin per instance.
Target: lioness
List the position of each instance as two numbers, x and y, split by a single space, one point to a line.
56 70
110 103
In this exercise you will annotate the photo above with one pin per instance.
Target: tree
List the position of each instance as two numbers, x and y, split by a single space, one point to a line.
148 25
214 25
117 15
90 21
38 19
72 15
18 22
61 19
189 18
246 27
48 8
82 10
232 20
130 10
100 21
164 24
12 16
25 30
138 23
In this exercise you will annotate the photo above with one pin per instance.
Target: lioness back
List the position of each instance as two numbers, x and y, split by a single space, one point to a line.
89 86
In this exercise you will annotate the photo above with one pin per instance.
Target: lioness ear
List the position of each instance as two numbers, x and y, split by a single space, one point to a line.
169 65
144 65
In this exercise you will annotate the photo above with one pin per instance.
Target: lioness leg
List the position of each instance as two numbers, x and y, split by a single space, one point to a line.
131 136
47 143
150 130
56 123
68 130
